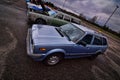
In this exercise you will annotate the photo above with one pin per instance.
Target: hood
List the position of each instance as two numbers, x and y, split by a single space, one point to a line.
45 34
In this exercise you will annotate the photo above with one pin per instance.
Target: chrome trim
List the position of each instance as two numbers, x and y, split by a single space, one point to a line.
30 46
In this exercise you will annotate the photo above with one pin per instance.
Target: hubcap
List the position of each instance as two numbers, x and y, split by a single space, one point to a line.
53 60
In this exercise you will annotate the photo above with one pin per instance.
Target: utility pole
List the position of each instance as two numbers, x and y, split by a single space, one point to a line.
111 15
64 3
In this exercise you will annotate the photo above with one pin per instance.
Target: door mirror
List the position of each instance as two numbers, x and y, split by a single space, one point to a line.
83 43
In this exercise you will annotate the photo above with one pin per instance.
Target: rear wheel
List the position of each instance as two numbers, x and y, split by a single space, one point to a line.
53 59
94 56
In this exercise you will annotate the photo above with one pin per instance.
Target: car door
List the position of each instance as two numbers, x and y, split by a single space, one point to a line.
56 22
83 48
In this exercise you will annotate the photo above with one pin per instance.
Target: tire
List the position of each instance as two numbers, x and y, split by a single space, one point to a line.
53 59
40 21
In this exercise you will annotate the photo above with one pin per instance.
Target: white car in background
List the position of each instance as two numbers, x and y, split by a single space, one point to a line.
39 9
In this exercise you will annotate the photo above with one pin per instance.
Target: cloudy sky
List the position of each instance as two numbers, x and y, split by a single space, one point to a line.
101 8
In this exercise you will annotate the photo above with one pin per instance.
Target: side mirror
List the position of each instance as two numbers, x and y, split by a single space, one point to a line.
83 43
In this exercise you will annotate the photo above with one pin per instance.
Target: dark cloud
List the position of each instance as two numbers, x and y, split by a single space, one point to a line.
90 8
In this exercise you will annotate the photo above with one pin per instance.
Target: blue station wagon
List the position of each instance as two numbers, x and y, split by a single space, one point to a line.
51 44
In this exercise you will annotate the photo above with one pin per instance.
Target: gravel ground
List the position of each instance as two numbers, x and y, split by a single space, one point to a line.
16 65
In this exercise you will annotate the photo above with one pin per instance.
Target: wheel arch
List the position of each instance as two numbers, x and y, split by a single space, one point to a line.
40 19
56 51
98 52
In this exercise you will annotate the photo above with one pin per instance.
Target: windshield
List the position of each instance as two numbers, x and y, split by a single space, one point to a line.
72 32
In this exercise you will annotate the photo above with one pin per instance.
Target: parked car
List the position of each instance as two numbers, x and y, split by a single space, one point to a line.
51 17
55 20
52 44
39 9
45 19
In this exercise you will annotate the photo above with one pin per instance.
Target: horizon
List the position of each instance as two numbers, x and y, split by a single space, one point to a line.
102 9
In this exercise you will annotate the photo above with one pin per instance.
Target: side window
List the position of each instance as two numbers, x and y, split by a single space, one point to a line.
104 41
75 20
87 38
60 16
97 40
67 18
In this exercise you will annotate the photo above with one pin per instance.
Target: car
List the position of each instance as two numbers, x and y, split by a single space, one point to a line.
51 44
36 15
39 9
38 18
56 20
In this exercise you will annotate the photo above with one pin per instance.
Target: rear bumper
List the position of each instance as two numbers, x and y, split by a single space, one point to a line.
36 57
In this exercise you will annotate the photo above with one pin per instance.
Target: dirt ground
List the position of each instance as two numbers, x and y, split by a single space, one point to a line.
16 65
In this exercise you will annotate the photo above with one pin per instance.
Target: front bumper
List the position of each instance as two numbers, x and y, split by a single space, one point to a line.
36 57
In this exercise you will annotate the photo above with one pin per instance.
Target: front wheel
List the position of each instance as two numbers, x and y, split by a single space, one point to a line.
40 21
53 59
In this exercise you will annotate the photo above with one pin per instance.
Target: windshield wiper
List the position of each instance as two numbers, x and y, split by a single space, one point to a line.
60 29
66 36
59 32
